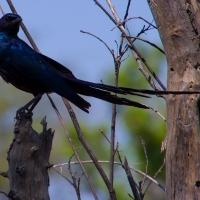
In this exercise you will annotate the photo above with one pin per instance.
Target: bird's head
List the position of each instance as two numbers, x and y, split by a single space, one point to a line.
9 24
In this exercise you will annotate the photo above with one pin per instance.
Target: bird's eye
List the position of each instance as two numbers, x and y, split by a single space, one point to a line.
7 18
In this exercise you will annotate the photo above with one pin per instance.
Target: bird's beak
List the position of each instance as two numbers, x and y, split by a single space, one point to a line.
16 21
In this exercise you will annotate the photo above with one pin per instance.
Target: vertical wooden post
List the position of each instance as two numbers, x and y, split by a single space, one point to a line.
28 159
178 24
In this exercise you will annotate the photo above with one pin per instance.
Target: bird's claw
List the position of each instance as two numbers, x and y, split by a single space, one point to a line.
23 112
28 115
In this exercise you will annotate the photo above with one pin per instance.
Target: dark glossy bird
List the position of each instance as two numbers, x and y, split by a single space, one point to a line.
35 73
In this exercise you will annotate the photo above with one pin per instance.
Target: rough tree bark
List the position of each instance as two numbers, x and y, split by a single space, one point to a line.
178 23
28 159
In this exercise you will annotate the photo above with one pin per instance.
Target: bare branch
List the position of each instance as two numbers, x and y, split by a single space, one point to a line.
141 32
89 151
152 44
73 147
60 173
76 183
134 50
132 182
111 51
159 170
116 163
112 137
125 20
145 153
157 113
104 135
131 196
112 141
144 20
1 9
126 14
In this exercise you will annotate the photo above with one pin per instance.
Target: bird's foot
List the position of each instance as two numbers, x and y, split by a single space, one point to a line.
23 112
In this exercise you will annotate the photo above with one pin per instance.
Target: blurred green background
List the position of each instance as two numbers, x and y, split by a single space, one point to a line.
99 63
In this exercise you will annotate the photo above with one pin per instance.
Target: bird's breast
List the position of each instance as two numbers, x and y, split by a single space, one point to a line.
4 49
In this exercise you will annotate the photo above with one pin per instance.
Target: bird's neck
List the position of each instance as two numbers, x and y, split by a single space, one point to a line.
5 45
5 36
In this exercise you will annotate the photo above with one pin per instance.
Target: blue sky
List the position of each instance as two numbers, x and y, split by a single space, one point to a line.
55 26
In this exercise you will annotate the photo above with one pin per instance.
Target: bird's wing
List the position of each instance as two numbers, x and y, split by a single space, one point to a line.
32 65
59 68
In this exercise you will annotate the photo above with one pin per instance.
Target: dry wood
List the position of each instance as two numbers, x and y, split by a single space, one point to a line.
179 27
28 159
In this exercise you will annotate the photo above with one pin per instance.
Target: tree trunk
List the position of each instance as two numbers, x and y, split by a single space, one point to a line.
178 24
28 159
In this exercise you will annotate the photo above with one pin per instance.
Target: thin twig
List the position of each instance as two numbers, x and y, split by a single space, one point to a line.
118 155
116 163
125 20
73 147
152 44
89 151
113 121
117 61
131 196
141 32
134 50
76 183
116 150
133 184
111 51
2 10
60 173
159 170
147 162
121 53
113 125
104 135
127 9
157 113
143 20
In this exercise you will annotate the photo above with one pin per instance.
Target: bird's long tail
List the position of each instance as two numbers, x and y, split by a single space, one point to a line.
103 92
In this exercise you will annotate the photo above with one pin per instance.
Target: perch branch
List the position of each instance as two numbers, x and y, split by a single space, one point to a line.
152 44
116 163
